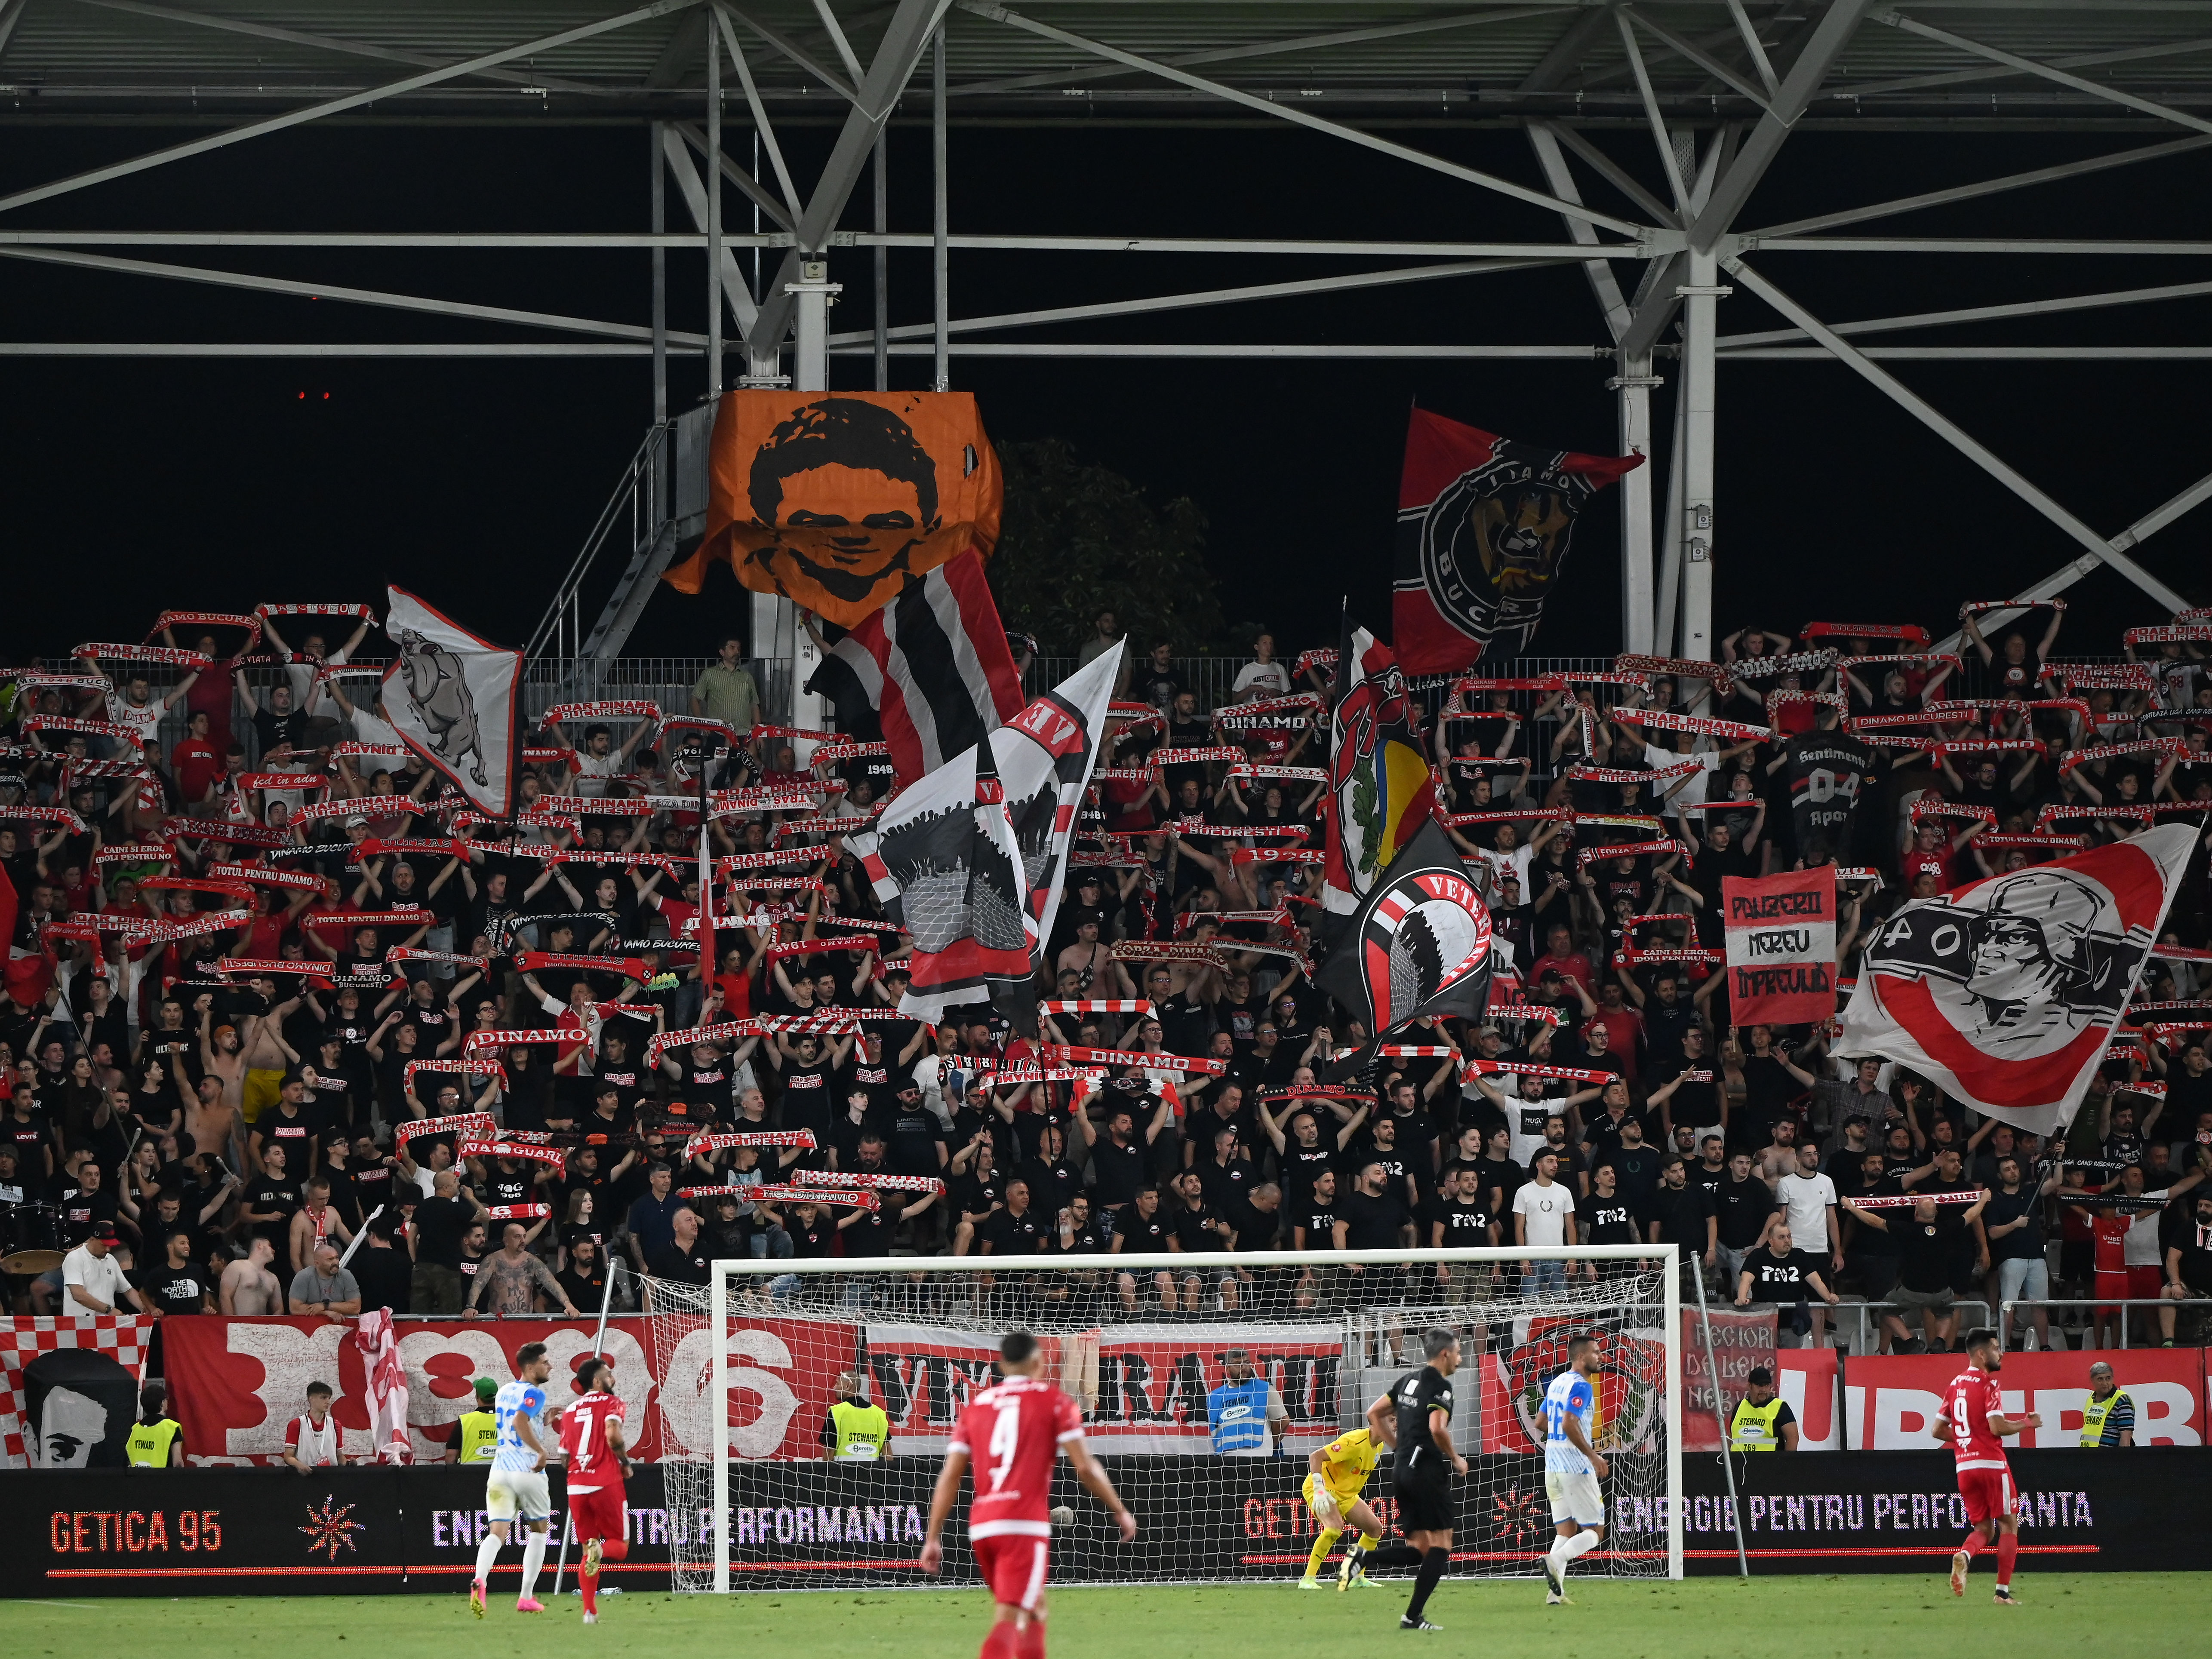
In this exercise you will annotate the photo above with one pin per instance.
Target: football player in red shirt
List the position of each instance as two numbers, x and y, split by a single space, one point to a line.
1975 1426
1014 1431
591 1439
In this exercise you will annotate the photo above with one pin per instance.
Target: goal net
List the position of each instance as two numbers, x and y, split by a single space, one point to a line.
1204 1381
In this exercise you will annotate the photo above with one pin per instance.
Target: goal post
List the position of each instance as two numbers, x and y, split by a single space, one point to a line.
1204 1379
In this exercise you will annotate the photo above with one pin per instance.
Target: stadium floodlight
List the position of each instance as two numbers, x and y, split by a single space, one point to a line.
1171 1357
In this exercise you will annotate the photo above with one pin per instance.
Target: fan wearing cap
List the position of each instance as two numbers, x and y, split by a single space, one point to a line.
92 1282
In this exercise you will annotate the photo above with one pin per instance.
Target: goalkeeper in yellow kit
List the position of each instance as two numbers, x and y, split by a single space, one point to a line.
1337 1475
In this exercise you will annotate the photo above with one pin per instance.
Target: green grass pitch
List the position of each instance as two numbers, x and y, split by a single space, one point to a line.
1894 1616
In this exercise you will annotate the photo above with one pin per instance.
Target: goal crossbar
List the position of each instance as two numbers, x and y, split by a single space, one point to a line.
1660 1259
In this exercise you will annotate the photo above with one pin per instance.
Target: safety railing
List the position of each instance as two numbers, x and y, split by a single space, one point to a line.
2199 1306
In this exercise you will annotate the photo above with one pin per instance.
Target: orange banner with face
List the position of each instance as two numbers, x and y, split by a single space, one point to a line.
839 499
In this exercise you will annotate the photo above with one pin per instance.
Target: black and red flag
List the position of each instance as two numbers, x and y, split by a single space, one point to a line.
1419 945
1483 527
932 669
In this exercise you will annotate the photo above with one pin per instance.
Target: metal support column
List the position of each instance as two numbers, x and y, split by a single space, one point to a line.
1697 295
1667 615
882 262
659 292
941 257
813 294
1632 389
713 216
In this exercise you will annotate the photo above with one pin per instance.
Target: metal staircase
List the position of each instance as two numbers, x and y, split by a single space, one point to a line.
661 498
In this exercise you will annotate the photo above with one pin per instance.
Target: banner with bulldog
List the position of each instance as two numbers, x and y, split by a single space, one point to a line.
1483 523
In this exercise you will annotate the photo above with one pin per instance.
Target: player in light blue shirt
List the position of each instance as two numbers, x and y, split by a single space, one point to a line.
520 1406
1570 1397
515 1489
1572 1466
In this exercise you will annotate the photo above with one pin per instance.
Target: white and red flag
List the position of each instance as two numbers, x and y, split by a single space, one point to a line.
969 860
1780 936
2005 993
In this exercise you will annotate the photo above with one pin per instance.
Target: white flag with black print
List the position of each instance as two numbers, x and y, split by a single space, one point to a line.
970 861
454 699
2007 992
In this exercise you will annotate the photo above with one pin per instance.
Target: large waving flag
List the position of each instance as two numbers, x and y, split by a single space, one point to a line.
1380 790
1419 945
453 699
969 860
842 501
1483 527
2005 993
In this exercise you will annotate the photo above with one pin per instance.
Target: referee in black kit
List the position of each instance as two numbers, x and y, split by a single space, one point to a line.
1423 1465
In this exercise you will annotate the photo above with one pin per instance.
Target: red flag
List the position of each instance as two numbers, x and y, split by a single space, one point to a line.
1483 527
1781 947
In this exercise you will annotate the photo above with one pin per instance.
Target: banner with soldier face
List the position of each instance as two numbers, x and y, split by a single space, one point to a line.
2007 992
1483 523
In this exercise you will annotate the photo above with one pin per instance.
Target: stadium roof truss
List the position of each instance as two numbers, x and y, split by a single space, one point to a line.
1710 90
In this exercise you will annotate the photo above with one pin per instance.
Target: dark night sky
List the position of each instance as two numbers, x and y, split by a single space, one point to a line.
136 484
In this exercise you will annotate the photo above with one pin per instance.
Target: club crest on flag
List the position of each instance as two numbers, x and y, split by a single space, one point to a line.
1426 931
1381 791
1484 524
1419 946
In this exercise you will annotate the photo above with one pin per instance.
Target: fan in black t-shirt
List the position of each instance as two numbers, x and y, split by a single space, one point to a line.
1604 1215
1015 1228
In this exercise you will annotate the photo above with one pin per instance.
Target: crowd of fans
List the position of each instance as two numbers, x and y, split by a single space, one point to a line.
198 1136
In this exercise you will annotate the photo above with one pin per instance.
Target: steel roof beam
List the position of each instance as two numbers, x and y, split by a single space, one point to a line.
2131 297
329 43
789 218
693 190
366 296
998 13
1704 60
1733 188
1898 19
753 190
1218 296
1983 187
1269 48
2076 60
338 106
905 38
2099 547
780 42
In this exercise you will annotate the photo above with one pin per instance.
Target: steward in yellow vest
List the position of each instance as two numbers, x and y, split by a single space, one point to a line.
156 1442
855 1431
1762 1420
2108 1415
476 1434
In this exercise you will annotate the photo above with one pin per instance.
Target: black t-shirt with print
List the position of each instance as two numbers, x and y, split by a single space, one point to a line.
1008 1234
1142 1235
1606 1220
1784 1278
1742 1207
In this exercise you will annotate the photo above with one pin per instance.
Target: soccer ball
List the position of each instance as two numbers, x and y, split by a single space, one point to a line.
1062 1516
